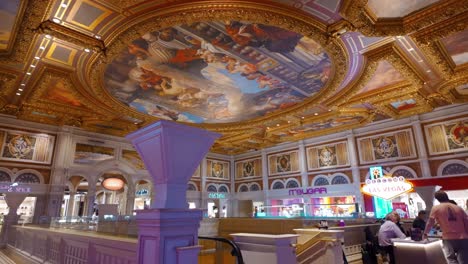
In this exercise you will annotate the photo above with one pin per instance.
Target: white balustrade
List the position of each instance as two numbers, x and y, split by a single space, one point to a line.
58 247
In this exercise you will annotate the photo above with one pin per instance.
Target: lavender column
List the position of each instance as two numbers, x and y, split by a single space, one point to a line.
167 233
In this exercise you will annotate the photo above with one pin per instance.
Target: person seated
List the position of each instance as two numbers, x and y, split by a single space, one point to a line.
387 231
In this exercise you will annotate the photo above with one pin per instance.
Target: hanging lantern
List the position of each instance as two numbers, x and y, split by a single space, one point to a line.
113 184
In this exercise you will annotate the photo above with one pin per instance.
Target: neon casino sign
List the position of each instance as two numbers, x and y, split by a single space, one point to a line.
216 195
387 187
316 190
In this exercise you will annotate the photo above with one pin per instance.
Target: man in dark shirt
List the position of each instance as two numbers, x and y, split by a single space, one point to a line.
419 221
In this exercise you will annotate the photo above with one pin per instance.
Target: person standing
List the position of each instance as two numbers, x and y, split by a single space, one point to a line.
454 224
387 231
420 220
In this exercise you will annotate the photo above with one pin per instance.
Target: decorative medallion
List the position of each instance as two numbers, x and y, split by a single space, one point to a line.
385 147
20 146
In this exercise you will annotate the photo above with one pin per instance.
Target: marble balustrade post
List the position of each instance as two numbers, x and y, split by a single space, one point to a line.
71 204
13 200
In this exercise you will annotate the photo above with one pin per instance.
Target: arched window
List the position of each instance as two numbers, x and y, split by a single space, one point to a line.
454 168
339 179
254 187
320 181
243 188
28 178
278 185
5 177
402 172
191 187
211 188
292 184
223 189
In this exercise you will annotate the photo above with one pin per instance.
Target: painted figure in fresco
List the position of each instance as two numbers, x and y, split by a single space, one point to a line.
257 35
283 163
217 169
19 146
327 156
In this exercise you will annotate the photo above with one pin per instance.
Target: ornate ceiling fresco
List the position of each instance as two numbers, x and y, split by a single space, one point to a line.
217 72
260 73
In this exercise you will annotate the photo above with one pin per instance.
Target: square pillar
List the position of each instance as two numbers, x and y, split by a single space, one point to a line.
168 232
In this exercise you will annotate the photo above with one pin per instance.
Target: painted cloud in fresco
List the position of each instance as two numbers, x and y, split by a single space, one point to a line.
457 47
217 72
384 75
397 8
8 10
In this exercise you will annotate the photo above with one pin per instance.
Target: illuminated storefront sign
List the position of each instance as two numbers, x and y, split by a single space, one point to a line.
314 190
142 192
387 187
9 188
217 195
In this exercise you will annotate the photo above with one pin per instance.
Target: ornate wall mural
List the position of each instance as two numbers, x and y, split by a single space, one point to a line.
326 156
26 147
249 168
217 169
457 47
386 146
217 72
89 154
283 163
133 158
447 137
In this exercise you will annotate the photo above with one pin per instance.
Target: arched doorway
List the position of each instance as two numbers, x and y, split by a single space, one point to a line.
112 190
143 191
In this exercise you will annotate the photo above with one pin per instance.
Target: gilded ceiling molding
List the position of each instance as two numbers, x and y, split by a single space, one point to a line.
382 94
446 90
363 19
34 13
187 13
369 117
390 52
70 35
9 109
428 40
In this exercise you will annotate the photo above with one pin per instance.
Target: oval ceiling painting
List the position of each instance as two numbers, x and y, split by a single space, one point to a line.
217 72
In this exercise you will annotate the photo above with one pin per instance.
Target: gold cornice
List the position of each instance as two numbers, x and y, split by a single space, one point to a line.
363 19
201 11
70 35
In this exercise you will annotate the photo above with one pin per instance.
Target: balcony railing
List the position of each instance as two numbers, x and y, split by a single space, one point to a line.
218 250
